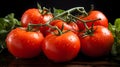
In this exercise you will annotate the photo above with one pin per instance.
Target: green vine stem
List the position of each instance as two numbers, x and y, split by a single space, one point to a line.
30 26
84 21
81 10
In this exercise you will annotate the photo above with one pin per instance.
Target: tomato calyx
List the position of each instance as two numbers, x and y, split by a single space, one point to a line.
43 10
88 30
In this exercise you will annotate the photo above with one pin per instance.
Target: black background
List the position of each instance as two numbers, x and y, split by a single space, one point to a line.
108 7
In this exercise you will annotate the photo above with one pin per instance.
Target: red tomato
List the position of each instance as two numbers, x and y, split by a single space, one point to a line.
61 48
34 16
24 44
92 15
98 44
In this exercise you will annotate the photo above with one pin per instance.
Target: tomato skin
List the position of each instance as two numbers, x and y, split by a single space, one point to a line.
33 16
61 48
24 44
92 15
99 44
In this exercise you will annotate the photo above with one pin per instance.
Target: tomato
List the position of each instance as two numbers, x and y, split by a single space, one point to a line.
67 26
61 48
34 16
98 44
24 44
92 15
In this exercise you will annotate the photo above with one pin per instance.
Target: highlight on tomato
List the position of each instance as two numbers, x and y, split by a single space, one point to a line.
22 43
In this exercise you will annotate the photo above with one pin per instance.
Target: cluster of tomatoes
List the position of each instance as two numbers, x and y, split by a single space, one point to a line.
59 40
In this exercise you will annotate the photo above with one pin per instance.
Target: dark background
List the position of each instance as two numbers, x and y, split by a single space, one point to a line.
108 7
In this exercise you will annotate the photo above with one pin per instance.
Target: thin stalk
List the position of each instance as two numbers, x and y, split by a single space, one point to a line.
84 21
30 26
55 28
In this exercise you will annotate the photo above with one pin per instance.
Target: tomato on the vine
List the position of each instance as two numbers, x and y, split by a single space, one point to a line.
61 48
98 43
34 16
93 15
24 44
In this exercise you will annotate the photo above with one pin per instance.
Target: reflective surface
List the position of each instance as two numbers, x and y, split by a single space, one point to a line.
7 60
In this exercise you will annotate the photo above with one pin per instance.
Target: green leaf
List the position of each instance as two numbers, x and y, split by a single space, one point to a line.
3 31
117 24
7 23
112 28
114 50
115 29
57 11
